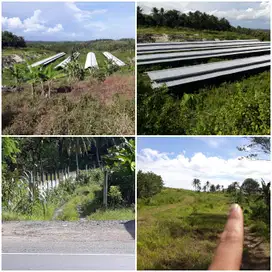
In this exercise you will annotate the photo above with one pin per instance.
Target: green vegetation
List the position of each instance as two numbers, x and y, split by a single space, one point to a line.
194 26
41 100
179 229
240 107
148 184
120 214
31 165
9 39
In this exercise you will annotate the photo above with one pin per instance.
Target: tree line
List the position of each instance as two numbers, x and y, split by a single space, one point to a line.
174 18
196 20
11 40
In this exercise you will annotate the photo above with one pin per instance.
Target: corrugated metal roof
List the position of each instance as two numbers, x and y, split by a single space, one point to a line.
154 59
115 60
91 61
48 60
183 75
67 60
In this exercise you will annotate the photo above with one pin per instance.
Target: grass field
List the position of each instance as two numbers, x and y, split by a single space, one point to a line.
179 229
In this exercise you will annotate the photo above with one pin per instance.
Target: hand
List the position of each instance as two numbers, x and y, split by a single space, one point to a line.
228 255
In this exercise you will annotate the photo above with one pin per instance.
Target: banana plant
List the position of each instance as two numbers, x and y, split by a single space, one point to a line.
33 77
17 73
50 76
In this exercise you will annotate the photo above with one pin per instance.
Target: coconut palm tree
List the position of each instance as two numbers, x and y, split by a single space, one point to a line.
196 183
77 145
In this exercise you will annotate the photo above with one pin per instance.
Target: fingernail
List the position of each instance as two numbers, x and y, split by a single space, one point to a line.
234 207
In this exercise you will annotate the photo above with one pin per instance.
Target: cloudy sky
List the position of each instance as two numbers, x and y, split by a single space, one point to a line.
216 159
245 14
59 21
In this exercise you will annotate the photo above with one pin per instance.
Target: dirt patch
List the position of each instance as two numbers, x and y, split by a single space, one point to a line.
10 60
256 254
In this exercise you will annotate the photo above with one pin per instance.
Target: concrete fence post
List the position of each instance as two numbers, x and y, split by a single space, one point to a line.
105 189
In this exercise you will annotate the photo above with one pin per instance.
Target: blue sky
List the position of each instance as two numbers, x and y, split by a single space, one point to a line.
245 14
71 21
181 159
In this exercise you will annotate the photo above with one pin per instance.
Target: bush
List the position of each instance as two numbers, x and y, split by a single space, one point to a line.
148 184
126 182
231 108
115 197
93 176
259 211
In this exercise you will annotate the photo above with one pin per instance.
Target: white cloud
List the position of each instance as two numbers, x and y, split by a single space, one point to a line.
178 172
55 29
82 15
263 13
12 23
31 24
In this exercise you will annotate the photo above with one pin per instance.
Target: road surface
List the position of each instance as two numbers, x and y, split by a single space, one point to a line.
56 245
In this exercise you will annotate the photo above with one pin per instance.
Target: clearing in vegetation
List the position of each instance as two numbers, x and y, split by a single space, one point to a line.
179 230
72 100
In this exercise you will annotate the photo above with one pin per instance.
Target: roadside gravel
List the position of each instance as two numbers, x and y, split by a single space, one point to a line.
99 237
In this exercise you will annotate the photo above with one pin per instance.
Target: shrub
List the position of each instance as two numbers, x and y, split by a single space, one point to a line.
115 197
93 176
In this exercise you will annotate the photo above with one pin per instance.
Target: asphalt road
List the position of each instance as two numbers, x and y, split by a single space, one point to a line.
85 245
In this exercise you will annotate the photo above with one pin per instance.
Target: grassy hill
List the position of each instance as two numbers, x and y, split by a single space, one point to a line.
179 229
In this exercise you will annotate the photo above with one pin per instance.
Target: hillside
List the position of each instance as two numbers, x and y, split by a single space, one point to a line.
79 101
179 229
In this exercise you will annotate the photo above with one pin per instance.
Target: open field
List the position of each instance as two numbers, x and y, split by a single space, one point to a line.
179 229
78 101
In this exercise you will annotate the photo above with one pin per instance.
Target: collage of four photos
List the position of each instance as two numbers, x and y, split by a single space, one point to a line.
135 135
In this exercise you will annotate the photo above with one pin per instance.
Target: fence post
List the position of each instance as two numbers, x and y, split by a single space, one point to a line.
105 189
51 180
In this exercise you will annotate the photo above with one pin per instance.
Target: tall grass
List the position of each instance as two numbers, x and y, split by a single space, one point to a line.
178 229
89 107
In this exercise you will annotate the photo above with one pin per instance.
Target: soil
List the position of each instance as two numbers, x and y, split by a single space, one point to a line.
257 252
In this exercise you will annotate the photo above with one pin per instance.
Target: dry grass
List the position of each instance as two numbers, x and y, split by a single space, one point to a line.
86 107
